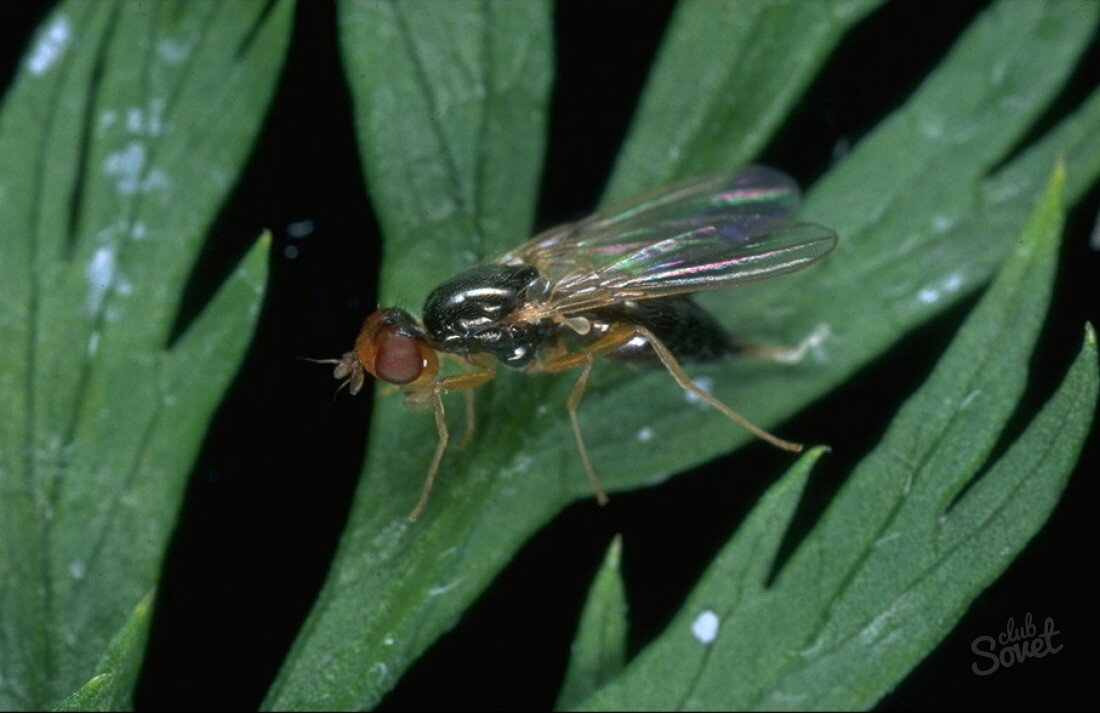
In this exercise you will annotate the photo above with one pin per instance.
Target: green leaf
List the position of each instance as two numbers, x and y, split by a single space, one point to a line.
442 92
599 647
450 112
741 67
121 135
921 527
109 689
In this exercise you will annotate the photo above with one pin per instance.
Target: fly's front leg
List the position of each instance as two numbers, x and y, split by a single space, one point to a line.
434 392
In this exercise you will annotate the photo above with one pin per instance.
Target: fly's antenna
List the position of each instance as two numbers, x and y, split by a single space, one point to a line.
339 372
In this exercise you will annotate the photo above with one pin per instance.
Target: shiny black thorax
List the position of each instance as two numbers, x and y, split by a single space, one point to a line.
469 313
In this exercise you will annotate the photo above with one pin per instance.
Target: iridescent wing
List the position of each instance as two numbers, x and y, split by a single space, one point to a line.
708 232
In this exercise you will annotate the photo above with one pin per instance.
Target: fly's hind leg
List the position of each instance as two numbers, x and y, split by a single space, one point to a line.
673 366
783 354
616 337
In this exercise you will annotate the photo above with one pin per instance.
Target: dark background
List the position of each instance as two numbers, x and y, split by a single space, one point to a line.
270 492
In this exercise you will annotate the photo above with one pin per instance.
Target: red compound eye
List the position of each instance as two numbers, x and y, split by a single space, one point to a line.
399 360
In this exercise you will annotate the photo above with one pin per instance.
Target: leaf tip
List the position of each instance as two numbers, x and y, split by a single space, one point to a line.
146 603
253 268
1058 175
614 552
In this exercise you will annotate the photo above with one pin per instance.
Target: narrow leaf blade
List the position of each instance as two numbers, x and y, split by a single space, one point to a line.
893 564
740 67
911 245
111 686
450 111
599 646
117 153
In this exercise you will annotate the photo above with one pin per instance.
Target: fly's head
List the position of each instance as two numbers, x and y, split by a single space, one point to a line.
391 348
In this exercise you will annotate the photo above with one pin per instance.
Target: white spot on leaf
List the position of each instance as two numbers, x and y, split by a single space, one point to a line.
886 538
171 51
50 45
108 118
931 126
126 166
100 273
134 120
436 591
705 627
146 121
935 292
155 179
78 569
941 223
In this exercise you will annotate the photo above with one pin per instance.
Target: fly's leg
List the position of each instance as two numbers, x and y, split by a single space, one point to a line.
784 355
483 364
440 446
471 420
615 338
606 344
673 366
571 406
435 391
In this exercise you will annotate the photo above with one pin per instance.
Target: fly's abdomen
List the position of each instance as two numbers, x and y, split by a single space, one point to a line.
690 332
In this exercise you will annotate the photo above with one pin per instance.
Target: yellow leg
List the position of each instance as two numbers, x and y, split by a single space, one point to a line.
484 365
440 445
615 338
435 391
785 354
687 384
471 420
604 345
571 406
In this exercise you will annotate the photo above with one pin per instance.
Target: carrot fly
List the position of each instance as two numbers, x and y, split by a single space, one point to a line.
616 284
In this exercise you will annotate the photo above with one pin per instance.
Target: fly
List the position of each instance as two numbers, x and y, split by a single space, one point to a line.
616 284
